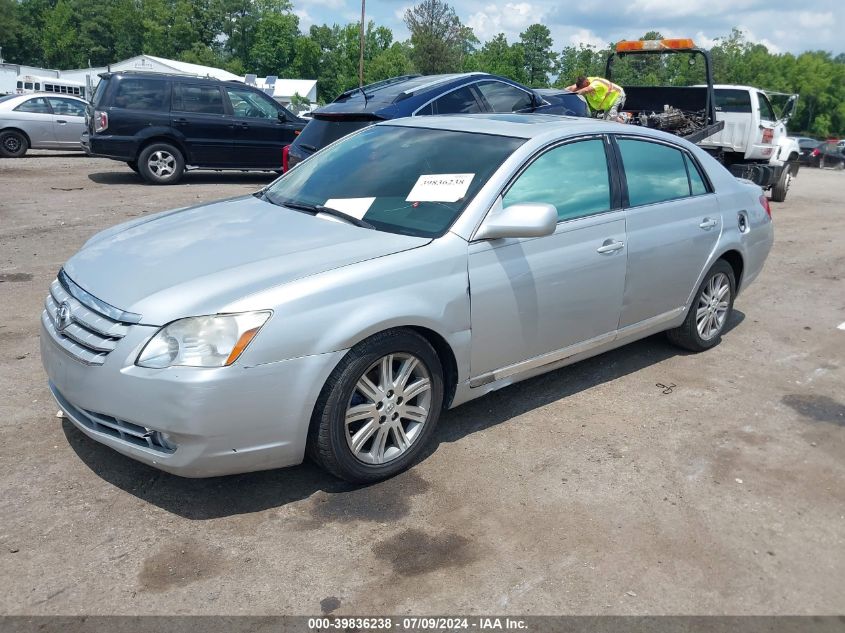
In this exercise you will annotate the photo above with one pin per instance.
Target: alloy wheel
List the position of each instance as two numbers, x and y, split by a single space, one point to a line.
162 163
389 406
713 304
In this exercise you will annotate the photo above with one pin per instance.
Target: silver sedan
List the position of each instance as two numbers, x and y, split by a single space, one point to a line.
40 121
405 269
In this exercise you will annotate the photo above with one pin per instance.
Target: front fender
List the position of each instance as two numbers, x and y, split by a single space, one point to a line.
423 287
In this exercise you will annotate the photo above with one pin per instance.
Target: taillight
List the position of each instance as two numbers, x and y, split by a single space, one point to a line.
816 152
764 202
101 120
285 152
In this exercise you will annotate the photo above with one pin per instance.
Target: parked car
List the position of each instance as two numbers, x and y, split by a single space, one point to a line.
40 121
162 124
827 154
413 95
806 146
411 267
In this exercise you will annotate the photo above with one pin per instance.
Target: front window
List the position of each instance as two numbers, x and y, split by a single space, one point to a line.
407 180
766 112
251 105
571 177
503 97
38 105
66 107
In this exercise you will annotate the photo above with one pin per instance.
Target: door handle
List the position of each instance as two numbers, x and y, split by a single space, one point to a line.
61 121
610 246
708 223
181 121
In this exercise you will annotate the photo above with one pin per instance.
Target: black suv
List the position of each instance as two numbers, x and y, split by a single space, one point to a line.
160 124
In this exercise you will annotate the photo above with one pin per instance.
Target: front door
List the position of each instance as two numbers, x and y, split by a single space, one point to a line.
68 120
532 297
259 134
673 222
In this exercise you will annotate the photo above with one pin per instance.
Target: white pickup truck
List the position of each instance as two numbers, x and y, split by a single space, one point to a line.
753 143
736 124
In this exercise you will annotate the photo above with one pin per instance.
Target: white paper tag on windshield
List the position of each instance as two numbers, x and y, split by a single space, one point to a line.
356 207
440 188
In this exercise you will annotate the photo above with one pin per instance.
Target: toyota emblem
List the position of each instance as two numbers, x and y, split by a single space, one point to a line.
63 316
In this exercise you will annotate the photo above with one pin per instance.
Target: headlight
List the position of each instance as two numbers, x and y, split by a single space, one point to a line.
205 341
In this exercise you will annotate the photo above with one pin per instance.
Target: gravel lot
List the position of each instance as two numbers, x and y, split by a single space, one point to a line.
591 490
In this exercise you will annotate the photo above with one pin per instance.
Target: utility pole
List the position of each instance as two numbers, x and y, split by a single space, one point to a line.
361 49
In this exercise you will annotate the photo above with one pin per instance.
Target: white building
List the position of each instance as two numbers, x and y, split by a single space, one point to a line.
284 89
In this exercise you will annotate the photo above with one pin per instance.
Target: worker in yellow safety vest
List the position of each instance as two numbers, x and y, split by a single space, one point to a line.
604 97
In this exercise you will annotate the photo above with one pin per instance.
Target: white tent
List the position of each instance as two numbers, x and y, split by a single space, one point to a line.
284 89
150 63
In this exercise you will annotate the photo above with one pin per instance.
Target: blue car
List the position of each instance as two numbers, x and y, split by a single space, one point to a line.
414 95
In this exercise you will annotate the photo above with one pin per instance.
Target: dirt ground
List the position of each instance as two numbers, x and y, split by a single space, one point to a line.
591 490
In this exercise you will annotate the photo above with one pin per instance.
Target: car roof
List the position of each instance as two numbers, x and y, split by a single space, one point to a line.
407 92
514 125
186 77
30 95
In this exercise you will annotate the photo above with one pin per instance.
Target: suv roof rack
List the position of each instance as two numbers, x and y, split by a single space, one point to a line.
153 73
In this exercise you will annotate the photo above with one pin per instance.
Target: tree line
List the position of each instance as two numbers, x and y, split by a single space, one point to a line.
265 37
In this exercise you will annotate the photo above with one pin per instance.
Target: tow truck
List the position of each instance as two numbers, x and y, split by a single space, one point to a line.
736 124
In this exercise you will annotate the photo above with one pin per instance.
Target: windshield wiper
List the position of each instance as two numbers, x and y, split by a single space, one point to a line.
319 208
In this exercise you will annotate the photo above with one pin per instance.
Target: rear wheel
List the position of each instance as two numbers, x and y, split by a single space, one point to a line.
710 310
378 408
161 164
13 144
782 185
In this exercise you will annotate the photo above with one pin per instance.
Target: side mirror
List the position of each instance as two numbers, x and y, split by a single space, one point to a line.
527 219
789 108
282 116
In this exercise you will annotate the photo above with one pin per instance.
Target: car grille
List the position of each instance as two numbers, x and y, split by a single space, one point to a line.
79 323
121 429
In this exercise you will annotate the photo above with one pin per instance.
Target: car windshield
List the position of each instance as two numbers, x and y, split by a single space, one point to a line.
409 180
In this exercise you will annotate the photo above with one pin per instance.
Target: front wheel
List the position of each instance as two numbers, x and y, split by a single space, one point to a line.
782 185
710 310
161 164
13 144
378 408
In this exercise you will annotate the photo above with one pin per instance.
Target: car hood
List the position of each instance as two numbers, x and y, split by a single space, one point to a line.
197 260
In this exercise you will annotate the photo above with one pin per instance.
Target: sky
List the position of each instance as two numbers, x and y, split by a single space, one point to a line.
782 25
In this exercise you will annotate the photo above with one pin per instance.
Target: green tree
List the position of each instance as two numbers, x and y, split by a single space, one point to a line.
274 51
539 59
437 37
499 57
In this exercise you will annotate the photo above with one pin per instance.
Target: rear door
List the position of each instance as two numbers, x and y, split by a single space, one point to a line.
674 223
199 116
68 120
259 134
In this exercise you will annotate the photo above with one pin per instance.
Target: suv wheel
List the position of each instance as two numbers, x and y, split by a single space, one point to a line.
13 144
161 164
379 408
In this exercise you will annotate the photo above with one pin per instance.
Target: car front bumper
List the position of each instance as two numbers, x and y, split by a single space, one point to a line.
221 421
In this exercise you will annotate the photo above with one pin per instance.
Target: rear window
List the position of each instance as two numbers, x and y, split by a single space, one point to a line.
733 101
142 94
197 98
321 132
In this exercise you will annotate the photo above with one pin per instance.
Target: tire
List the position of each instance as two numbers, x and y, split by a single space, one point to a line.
782 185
132 165
13 144
690 335
383 450
161 164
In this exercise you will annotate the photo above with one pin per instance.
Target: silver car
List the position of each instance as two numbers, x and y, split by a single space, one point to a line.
405 269
40 121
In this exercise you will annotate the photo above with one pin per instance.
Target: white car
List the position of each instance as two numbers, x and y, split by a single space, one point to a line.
40 121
